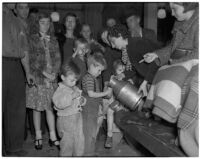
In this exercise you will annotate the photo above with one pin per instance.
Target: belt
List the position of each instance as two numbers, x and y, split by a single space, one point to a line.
11 58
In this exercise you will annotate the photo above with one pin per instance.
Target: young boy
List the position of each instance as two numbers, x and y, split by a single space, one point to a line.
68 102
111 104
81 48
96 64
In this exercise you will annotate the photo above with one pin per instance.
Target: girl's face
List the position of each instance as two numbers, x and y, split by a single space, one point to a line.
86 32
96 69
120 69
81 50
177 12
44 25
117 42
70 23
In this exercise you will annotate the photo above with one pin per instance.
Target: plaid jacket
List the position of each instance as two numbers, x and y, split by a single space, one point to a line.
38 60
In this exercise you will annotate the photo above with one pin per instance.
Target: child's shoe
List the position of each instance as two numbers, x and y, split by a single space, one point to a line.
108 143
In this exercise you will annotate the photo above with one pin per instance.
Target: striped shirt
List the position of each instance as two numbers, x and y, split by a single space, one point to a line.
90 83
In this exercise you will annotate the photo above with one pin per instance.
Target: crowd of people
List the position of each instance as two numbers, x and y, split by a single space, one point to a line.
67 75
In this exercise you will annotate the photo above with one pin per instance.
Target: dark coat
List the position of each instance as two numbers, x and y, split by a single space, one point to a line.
186 37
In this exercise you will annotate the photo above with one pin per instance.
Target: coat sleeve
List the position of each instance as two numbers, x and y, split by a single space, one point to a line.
164 54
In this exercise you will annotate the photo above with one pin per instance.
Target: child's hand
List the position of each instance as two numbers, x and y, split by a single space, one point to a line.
76 94
120 77
131 81
109 92
75 53
82 101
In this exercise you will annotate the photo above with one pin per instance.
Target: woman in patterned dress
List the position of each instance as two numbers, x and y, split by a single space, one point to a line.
44 65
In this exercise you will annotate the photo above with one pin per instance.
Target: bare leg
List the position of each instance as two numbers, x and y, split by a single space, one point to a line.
51 125
110 119
37 125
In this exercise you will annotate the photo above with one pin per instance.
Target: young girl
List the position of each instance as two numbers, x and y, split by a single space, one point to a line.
96 64
68 102
110 105
44 65
86 33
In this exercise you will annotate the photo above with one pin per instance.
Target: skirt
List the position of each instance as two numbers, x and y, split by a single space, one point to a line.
39 98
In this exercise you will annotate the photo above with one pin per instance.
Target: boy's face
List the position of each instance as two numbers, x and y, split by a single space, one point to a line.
44 25
96 69
69 80
86 32
120 69
81 49
70 23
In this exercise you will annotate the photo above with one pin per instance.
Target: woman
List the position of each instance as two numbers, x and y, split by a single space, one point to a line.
70 21
184 48
44 65
133 50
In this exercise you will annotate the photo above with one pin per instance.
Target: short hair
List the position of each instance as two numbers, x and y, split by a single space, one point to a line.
132 12
69 68
118 30
80 41
188 5
116 64
97 57
69 14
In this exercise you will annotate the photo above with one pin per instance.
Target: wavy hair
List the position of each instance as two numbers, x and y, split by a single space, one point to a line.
34 24
118 30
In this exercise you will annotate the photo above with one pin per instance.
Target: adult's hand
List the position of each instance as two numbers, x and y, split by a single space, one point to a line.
30 79
104 37
143 88
150 57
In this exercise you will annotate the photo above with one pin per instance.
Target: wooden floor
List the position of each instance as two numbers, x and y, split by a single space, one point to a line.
121 149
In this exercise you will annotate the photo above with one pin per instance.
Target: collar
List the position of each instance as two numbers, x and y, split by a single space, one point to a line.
62 85
185 26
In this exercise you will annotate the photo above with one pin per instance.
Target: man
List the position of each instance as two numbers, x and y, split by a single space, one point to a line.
133 22
15 62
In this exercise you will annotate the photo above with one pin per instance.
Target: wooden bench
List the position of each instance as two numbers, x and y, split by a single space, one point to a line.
158 137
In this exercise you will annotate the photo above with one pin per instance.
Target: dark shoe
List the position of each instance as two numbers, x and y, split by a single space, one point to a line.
38 145
108 143
20 153
53 143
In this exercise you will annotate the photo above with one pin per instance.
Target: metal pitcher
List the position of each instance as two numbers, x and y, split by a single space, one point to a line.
126 93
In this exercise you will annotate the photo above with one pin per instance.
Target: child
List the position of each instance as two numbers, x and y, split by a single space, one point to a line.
68 102
86 33
96 64
81 48
111 104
